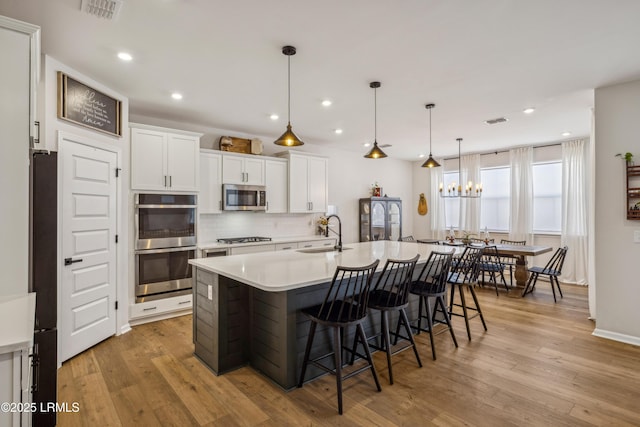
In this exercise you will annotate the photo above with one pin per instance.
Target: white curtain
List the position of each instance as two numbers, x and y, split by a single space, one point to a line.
521 208
591 277
438 225
470 208
574 211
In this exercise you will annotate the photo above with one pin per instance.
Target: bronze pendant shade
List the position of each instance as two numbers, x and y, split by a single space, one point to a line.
431 162
375 152
289 139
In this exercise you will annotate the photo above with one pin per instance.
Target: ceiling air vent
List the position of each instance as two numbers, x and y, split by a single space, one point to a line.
108 9
494 121
384 145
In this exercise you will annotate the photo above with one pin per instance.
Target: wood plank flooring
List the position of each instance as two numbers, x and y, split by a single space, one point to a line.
537 365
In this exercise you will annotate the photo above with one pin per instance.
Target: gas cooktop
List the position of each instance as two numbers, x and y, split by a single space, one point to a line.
244 239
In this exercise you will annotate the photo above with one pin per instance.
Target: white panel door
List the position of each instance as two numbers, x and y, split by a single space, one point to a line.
298 185
182 162
210 188
88 289
317 172
276 181
148 160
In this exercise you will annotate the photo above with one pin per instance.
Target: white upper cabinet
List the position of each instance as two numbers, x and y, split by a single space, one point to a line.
308 182
164 159
242 169
210 194
276 181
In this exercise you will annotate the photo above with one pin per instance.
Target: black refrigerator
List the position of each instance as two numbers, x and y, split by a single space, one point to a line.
43 280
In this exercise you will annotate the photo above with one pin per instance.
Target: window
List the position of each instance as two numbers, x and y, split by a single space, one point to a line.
547 197
496 191
496 194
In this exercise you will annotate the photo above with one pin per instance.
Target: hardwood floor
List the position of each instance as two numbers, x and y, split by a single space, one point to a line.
538 364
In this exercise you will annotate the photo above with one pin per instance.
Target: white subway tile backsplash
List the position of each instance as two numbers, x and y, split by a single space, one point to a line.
242 224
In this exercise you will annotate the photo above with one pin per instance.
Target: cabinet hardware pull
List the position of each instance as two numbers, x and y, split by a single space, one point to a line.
184 302
36 124
149 309
170 185
69 261
165 180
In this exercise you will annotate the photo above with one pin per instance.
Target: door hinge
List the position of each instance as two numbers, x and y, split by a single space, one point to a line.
118 172
116 238
116 305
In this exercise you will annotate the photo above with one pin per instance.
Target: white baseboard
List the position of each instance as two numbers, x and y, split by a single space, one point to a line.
615 336
159 316
124 329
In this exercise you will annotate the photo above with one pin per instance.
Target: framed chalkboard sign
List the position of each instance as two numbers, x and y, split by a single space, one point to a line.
85 106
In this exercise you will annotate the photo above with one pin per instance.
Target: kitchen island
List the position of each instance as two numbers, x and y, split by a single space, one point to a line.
247 307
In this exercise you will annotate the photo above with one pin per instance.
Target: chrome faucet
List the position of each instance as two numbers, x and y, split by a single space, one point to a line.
338 247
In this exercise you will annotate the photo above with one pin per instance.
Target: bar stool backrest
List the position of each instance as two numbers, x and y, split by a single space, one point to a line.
394 281
348 293
466 268
435 272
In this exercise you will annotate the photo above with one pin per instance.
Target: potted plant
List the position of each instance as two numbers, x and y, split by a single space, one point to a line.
628 157
466 237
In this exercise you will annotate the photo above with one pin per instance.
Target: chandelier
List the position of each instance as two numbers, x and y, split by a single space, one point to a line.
471 190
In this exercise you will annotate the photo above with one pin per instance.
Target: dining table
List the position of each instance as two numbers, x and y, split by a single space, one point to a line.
519 252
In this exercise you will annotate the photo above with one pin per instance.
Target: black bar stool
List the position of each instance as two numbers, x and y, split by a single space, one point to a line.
432 283
464 275
344 305
391 293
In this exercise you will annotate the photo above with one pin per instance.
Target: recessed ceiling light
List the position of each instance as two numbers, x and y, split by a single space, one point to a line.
566 133
326 103
421 155
367 144
529 110
176 95
274 117
338 131
125 56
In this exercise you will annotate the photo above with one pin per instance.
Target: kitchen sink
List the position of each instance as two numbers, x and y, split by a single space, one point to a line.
320 250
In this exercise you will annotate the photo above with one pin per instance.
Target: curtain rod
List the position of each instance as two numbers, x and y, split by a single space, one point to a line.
486 153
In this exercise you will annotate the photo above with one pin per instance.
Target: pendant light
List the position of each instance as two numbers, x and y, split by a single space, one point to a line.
289 139
430 163
455 190
375 152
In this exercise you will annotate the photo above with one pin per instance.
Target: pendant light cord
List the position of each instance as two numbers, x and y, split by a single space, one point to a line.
430 131
375 114
289 89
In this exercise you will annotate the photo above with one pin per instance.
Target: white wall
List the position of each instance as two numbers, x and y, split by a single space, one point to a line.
350 178
51 126
617 113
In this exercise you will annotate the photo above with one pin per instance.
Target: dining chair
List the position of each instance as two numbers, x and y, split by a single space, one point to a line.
391 294
432 284
553 269
344 305
476 240
510 260
491 264
464 274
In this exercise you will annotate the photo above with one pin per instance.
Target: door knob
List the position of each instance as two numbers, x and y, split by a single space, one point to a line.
69 261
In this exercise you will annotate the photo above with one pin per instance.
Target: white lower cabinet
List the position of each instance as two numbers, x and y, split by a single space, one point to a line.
15 388
317 243
252 249
160 309
286 246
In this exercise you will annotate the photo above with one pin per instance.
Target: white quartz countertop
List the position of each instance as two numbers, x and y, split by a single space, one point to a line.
292 269
17 317
273 241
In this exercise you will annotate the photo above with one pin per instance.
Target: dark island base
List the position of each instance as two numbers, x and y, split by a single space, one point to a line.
243 325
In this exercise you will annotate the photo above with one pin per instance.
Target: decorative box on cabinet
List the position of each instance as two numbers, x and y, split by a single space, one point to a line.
242 169
380 218
210 188
308 182
633 191
164 159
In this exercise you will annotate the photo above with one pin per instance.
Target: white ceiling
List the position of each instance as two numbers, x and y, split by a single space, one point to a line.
475 60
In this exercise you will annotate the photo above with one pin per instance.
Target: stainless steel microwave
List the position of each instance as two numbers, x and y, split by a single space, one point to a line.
244 197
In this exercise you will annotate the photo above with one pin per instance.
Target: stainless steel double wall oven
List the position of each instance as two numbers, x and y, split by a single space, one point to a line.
165 241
